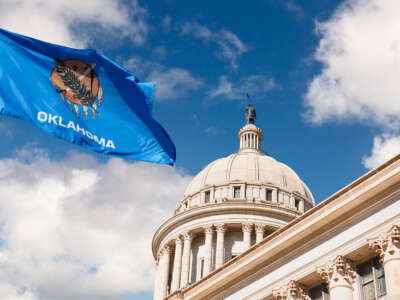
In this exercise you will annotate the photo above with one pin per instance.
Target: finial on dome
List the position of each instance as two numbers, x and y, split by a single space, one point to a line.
250 113
250 136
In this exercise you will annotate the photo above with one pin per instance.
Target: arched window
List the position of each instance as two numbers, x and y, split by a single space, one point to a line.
207 197
268 195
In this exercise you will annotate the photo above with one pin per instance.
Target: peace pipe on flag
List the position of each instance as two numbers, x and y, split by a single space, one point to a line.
81 96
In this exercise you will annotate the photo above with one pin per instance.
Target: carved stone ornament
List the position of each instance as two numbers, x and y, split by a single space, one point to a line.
220 227
291 290
208 229
387 245
158 260
260 228
165 250
338 272
247 227
187 236
178 240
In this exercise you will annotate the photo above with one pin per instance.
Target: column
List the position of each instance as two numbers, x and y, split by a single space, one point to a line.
165 253
339 274
176 272
301 206
291 291
291 200
259 232
187 245
156 295
275 195
247 227
387 245
208 231
219 255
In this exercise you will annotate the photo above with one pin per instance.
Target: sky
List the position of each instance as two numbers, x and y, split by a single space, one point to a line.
322 75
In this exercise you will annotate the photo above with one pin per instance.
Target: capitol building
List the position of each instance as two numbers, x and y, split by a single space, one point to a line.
248 228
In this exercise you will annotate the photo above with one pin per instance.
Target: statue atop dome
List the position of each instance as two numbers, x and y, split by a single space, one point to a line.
250 114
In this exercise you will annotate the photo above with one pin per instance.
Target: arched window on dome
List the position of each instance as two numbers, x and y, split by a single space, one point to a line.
207 196
236 192
297 204
268 195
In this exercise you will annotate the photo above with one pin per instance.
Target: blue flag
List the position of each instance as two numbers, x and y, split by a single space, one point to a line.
82 97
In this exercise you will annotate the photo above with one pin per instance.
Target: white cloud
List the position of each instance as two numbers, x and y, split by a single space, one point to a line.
74 22
5 131
166 23
171 83
360 53
213 131
256 86
139 66
294 8
230 46
174 83
385 147
81 229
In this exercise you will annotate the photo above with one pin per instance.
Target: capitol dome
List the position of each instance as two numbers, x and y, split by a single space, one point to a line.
231 205
263 177
254 168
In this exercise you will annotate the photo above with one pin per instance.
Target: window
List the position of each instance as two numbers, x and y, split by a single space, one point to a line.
319 292
297 203
207 197
236 192
268 195
372 279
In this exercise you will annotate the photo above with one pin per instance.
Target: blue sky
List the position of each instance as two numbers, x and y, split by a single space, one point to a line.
320 78
279 42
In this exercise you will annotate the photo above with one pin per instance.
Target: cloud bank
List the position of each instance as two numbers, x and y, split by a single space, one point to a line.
81 229
73 22
359 51
174 83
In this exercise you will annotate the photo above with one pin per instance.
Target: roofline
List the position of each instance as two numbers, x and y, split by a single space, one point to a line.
280 233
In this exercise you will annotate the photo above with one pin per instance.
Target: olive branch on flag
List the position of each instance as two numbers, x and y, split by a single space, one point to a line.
71 81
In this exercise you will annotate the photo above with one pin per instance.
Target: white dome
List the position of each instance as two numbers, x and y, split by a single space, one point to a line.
251 168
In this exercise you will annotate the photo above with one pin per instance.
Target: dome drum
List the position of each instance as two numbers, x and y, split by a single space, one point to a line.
245 192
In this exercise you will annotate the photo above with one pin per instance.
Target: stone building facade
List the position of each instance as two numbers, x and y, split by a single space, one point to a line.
248 228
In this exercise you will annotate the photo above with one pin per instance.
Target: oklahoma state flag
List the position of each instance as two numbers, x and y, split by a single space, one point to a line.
82 97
